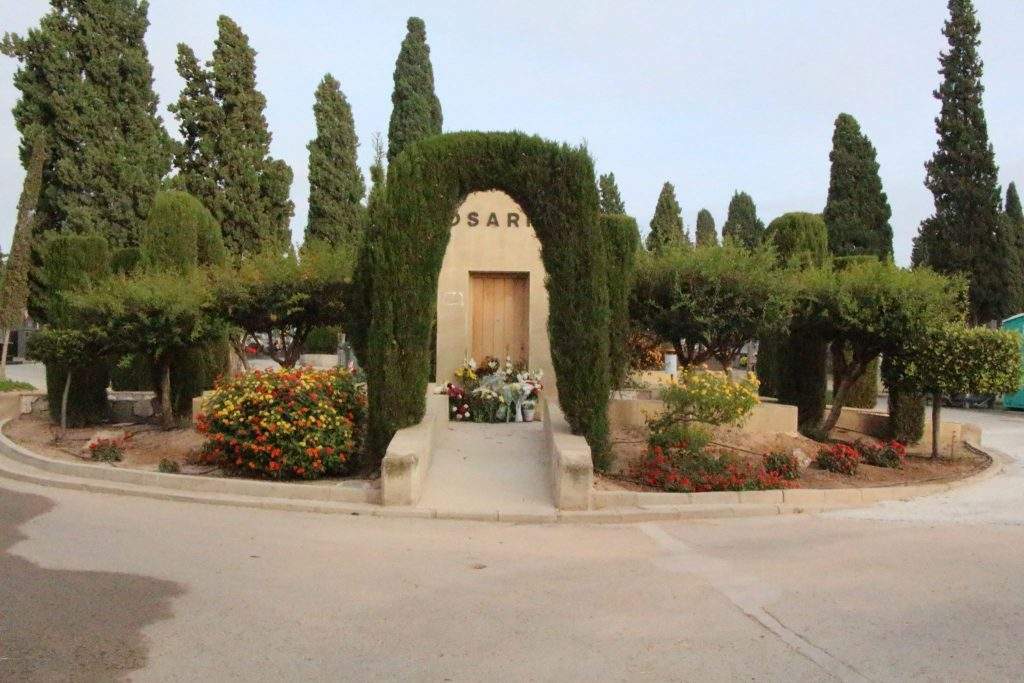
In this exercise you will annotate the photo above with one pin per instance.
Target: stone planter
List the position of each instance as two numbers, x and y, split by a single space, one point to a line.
319 360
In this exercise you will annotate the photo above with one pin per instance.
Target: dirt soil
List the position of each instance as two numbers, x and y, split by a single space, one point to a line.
146 445
629 445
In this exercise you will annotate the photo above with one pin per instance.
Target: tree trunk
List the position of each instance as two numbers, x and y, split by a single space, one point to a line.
166 400
936 415
3 354
64 406
848 375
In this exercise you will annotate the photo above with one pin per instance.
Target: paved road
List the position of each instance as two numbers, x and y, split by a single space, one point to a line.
96 587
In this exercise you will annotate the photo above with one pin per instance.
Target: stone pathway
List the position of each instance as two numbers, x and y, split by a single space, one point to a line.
483 468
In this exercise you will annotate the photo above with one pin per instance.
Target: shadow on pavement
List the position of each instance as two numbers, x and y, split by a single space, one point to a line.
65 624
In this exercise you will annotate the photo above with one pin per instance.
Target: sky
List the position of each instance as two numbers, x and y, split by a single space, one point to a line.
712 96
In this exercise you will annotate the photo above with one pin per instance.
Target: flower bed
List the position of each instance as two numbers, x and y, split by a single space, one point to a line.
302 423
493 392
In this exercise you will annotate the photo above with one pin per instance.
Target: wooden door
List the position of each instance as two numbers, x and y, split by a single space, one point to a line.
501 316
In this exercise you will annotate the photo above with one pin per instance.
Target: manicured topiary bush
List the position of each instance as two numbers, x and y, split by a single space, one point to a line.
406 242
906 415
285 424
72 263
622 238
180 233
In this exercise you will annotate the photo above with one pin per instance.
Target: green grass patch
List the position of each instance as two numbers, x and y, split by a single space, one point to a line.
12 385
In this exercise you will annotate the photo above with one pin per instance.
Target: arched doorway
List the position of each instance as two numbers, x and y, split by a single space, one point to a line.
491 296
407 242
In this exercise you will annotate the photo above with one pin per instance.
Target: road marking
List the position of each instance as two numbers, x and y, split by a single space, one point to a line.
747 593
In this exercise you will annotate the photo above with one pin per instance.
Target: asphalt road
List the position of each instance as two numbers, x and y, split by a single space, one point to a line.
97 587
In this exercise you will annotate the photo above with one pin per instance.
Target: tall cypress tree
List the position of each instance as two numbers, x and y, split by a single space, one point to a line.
336 185
225 160
857 211
667 227
741 223
14 288
1013 207
706 235
416 111
610 200
87 85
965 234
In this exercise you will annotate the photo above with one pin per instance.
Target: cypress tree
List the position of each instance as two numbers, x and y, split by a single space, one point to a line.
14 289
87 84
964 234
742 223
225 159
857 211
1013 208
610 200
336 185
706 235
667 227
416 111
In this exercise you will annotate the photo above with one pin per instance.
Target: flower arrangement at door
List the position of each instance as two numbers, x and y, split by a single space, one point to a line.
302 423
494 391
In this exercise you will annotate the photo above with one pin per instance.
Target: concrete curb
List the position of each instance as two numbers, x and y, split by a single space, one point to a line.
621 507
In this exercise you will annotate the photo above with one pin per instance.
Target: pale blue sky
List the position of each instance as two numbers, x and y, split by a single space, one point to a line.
713 96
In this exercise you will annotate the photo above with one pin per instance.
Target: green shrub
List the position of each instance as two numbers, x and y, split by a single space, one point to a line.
711 398
622 238
769 359
406 243
132 372
107 450
322 340
196 370
126 261
180 233
803 376
70 263
839 458
906 416
864 392
800 237
12 385
784 465
285 424
87 398
891 454
168 466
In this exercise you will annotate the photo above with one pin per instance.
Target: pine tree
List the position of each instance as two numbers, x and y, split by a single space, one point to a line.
336 185
14 288
610 199
416 111
857 211
965 234
667 227
1013 208
741 223
87 84
706 235
225 159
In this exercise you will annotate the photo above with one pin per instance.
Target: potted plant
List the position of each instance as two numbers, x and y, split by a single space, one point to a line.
529 409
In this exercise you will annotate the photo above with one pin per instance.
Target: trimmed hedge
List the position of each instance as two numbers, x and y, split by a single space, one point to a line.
622 239
180 233
803 376
87 399
556 187
906 416
70 263
864 392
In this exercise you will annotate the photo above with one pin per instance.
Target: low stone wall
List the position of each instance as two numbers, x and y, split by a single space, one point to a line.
876 423
407 460
767 416
572 464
